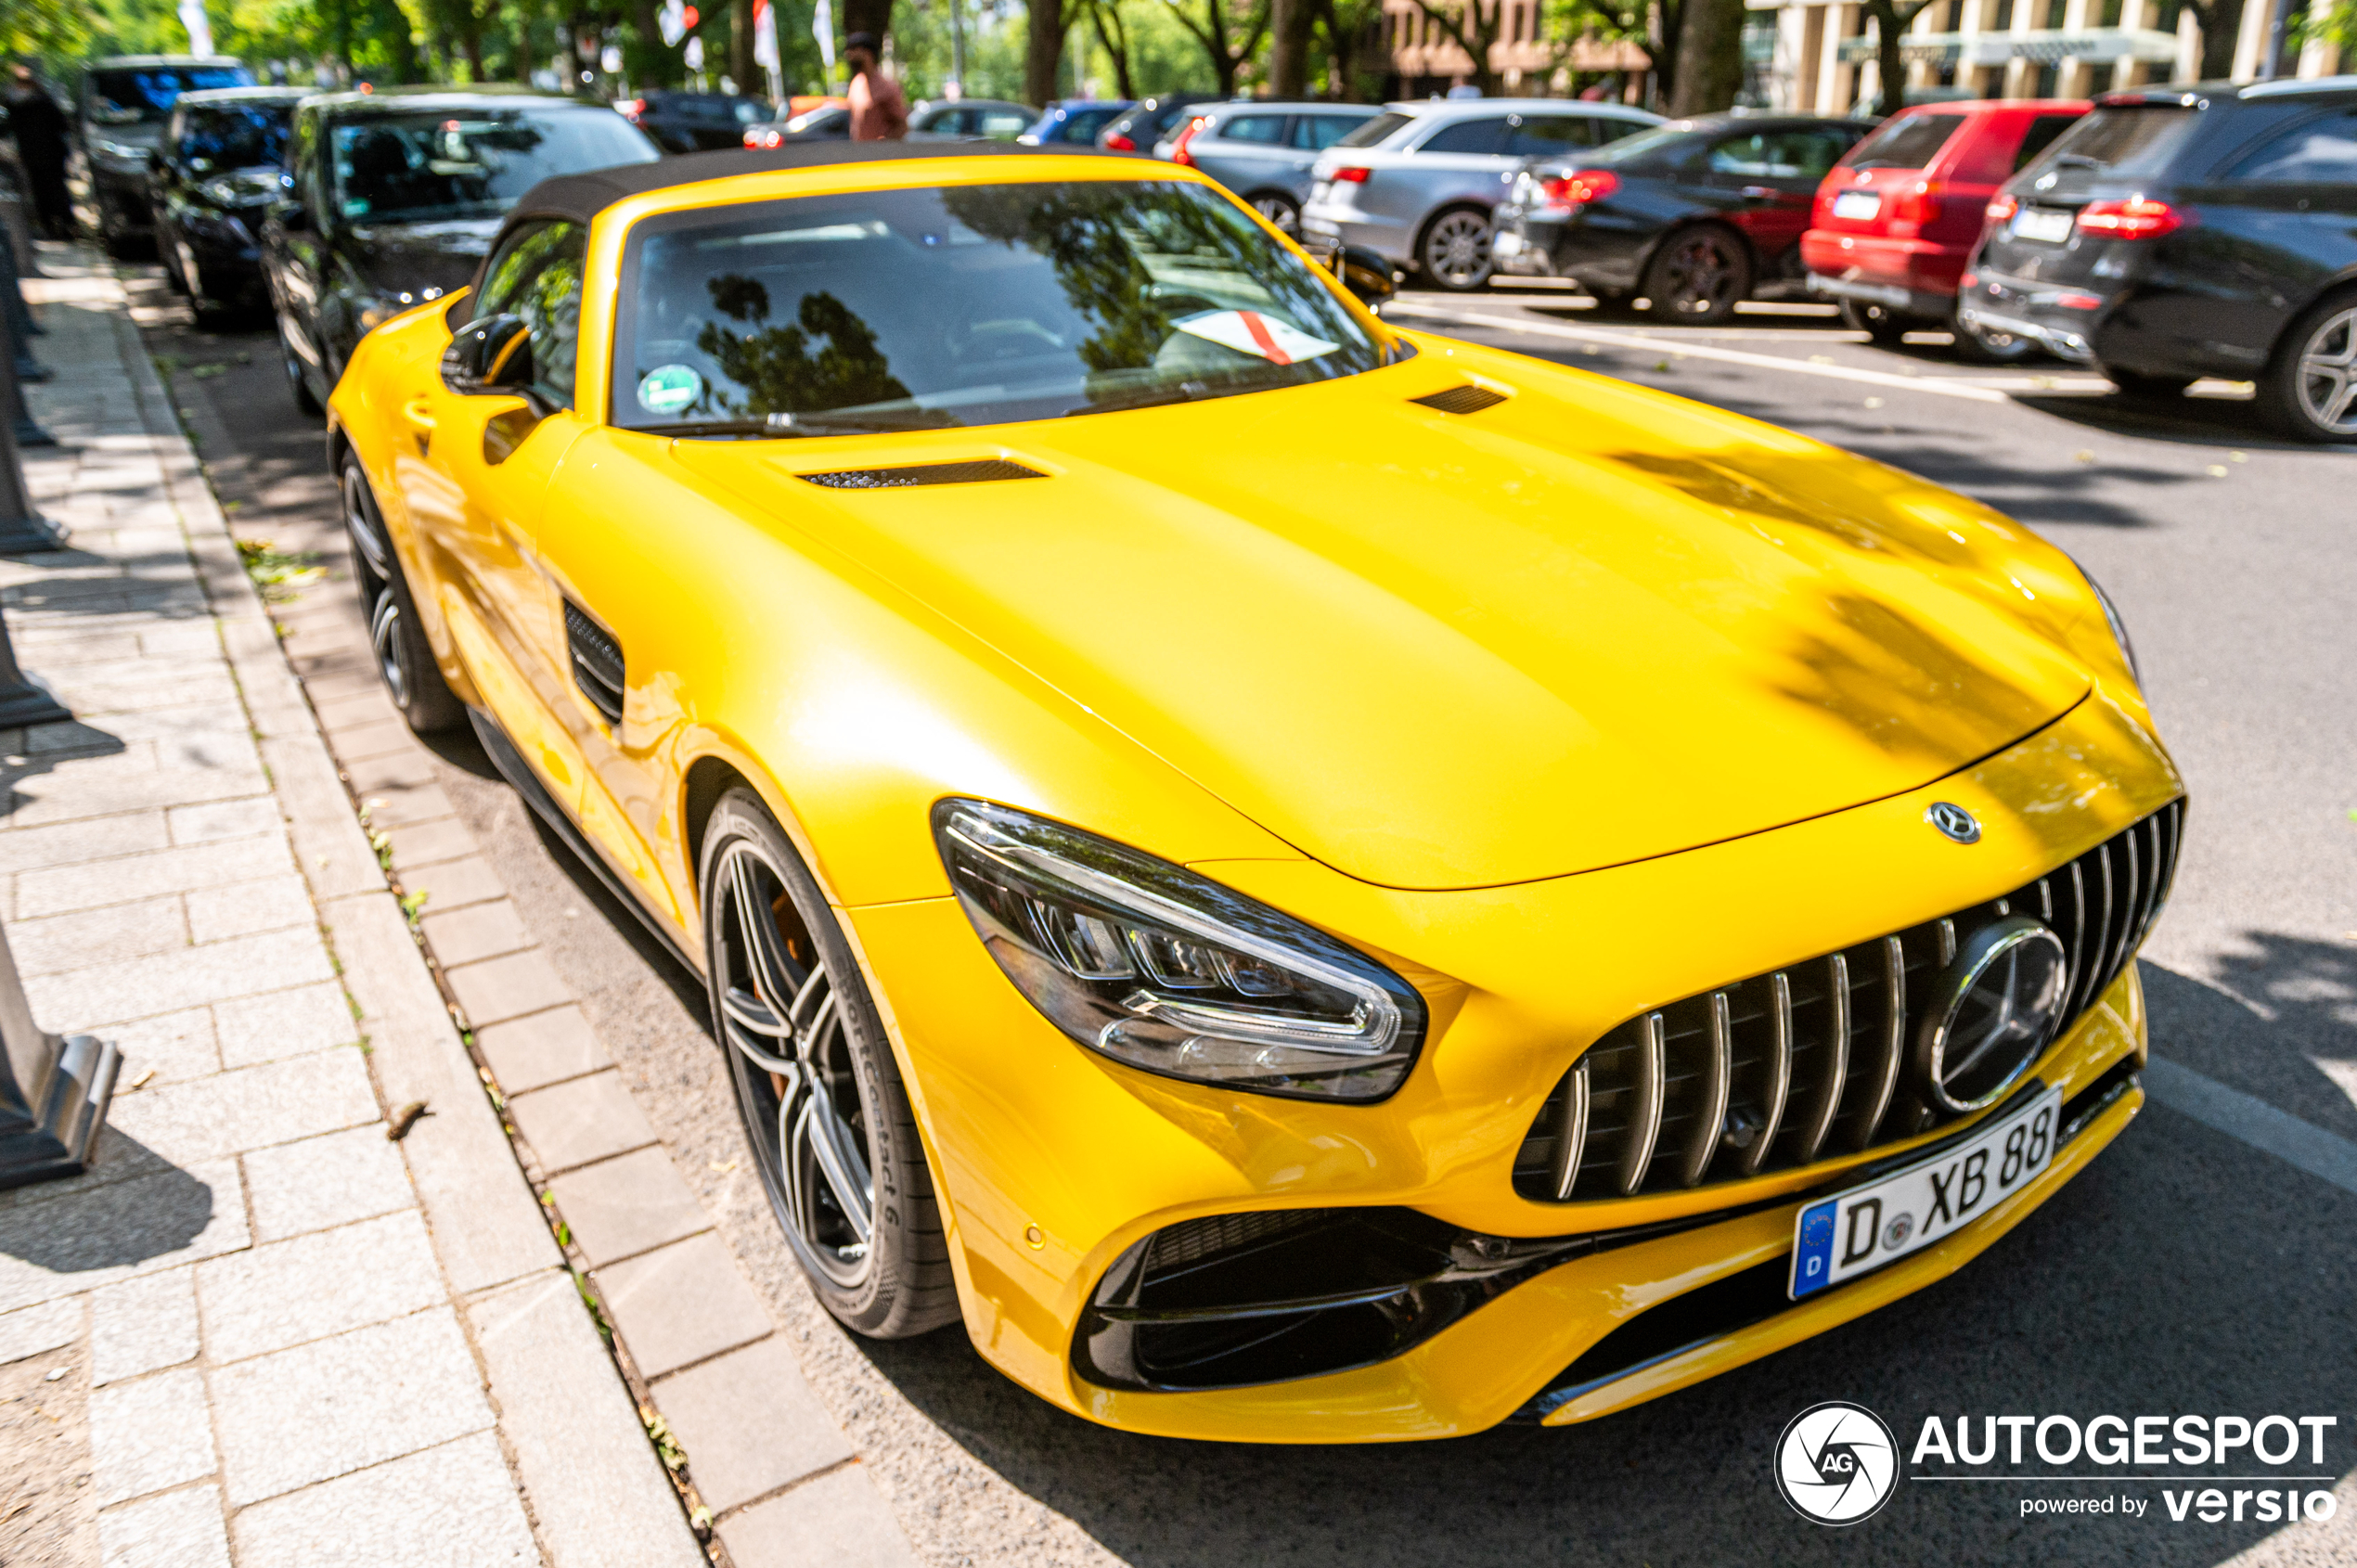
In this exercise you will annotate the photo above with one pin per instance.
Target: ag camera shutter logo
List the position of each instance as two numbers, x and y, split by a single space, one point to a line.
1836 1463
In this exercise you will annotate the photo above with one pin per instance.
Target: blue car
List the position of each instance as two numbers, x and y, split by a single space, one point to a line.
1076 120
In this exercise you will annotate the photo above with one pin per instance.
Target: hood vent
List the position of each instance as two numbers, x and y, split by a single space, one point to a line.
1461 400
981 472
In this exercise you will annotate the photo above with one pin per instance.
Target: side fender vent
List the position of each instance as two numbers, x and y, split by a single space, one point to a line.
597 663
981 472
1461 400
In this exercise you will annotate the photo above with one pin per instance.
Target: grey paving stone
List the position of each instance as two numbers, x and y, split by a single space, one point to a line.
382 738
111 936
143 1325
427 842
572 1124
284 1024
251 1108
839 1520
99 1234
409 768
620 1207
263 904
223 819
61 889
53 799
504 988
750 1423
465 936
399 806
530 1053
453 884
30 1330
77 843
335 1406
342 715
176 1046
215 972
449 1506
329 846
176 1530
320 1182
149 1434
326 1283
601 1497
681 1303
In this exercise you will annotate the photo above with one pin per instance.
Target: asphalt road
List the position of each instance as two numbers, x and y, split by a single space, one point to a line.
2186 1271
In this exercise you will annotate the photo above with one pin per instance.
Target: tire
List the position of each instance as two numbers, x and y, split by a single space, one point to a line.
2309 390
2156 388
1991 348
396 640
304 398
1454 250
1698 276
1281 210
817 1085
1886 326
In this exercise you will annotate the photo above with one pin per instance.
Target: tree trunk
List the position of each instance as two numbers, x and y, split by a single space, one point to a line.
2221 20
743 67
1892 95
1710 58
1664 20
866 16
1043 51
1113 34
1289 48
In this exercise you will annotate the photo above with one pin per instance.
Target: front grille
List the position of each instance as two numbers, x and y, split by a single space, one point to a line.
979 471
1782 1069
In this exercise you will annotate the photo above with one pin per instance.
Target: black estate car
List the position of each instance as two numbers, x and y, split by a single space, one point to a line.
683 122
1693 214
393 197
126 99
2182 232
213 180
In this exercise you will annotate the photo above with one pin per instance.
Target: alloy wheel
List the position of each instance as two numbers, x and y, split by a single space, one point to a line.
1457 250
2327 378
791 1059
1282 215
1702 277
384 642
369 544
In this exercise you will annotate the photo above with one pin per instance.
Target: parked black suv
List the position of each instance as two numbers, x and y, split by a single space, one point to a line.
393 197
2182 232
126 101
214 179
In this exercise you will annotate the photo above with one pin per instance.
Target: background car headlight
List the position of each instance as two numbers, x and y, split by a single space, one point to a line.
2118 627
1154 966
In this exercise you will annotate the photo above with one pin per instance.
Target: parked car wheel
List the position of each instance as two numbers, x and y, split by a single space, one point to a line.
1454 251
396 640
1281 210
821 1098
2309 390
304 398
1886 326
1698 276
2156 388
1991 348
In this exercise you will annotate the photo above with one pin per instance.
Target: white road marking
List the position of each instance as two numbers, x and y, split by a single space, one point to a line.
2327 1156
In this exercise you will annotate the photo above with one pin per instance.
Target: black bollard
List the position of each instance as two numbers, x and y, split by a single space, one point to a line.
22 530
54 1091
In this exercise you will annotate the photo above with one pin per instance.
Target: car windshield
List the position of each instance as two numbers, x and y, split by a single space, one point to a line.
123 97
965 305
2124 139
1911 141
1374 130
1645 142
410 168
235 136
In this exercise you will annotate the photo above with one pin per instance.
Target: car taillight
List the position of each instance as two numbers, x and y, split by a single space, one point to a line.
1352 175
2073 300
2136 218
762 137
2003 209
1917 205
1120 143
1179 153
1587 184
630 108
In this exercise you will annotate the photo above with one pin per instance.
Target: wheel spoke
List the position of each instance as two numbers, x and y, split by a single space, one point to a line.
772 973
837 1152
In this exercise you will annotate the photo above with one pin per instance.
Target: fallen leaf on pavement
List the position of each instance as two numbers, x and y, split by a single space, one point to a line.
404 1119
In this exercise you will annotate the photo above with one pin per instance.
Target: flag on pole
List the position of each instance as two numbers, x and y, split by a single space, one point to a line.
192 17
822 26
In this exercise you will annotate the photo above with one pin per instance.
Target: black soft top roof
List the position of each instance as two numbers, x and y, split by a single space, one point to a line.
583 196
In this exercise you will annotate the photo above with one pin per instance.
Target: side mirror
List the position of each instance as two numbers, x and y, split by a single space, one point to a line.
1365 274
489 358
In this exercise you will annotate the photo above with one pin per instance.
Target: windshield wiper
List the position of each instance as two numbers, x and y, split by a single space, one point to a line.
781 427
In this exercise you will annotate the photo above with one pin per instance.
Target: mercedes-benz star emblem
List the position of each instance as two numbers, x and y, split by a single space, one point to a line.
1955 821
1836 1463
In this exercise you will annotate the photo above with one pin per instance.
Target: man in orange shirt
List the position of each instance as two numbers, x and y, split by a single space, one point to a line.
877 111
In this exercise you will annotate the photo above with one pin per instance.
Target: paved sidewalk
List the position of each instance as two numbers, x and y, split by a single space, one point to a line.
259 1330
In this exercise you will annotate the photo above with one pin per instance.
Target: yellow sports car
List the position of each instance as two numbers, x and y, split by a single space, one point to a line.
1308 881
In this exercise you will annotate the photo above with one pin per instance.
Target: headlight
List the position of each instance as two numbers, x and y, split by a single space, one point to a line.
1154 966
2118 627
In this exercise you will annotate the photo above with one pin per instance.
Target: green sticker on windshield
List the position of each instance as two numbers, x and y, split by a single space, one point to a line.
669 389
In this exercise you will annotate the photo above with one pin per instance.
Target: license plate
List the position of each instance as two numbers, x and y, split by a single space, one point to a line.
1857 204
1857 1231
2043 224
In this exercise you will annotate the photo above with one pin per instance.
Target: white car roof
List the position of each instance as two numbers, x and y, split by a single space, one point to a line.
1460 108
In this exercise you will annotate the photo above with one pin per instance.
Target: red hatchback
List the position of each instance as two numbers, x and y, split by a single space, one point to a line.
1898 217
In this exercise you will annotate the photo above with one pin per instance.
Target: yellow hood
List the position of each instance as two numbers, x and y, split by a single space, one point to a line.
1588 626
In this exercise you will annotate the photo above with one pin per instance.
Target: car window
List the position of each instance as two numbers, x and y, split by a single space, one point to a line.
1606 130
1538 134
2125 139
233 136
1912 141
415 167
125 97
1267 130
2319 153
1378 129
537 275
1468 135
1005 125
1316 132
2040 135
1777 155
747 112
966 305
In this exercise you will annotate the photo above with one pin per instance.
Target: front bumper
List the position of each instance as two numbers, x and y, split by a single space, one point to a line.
1031 1136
